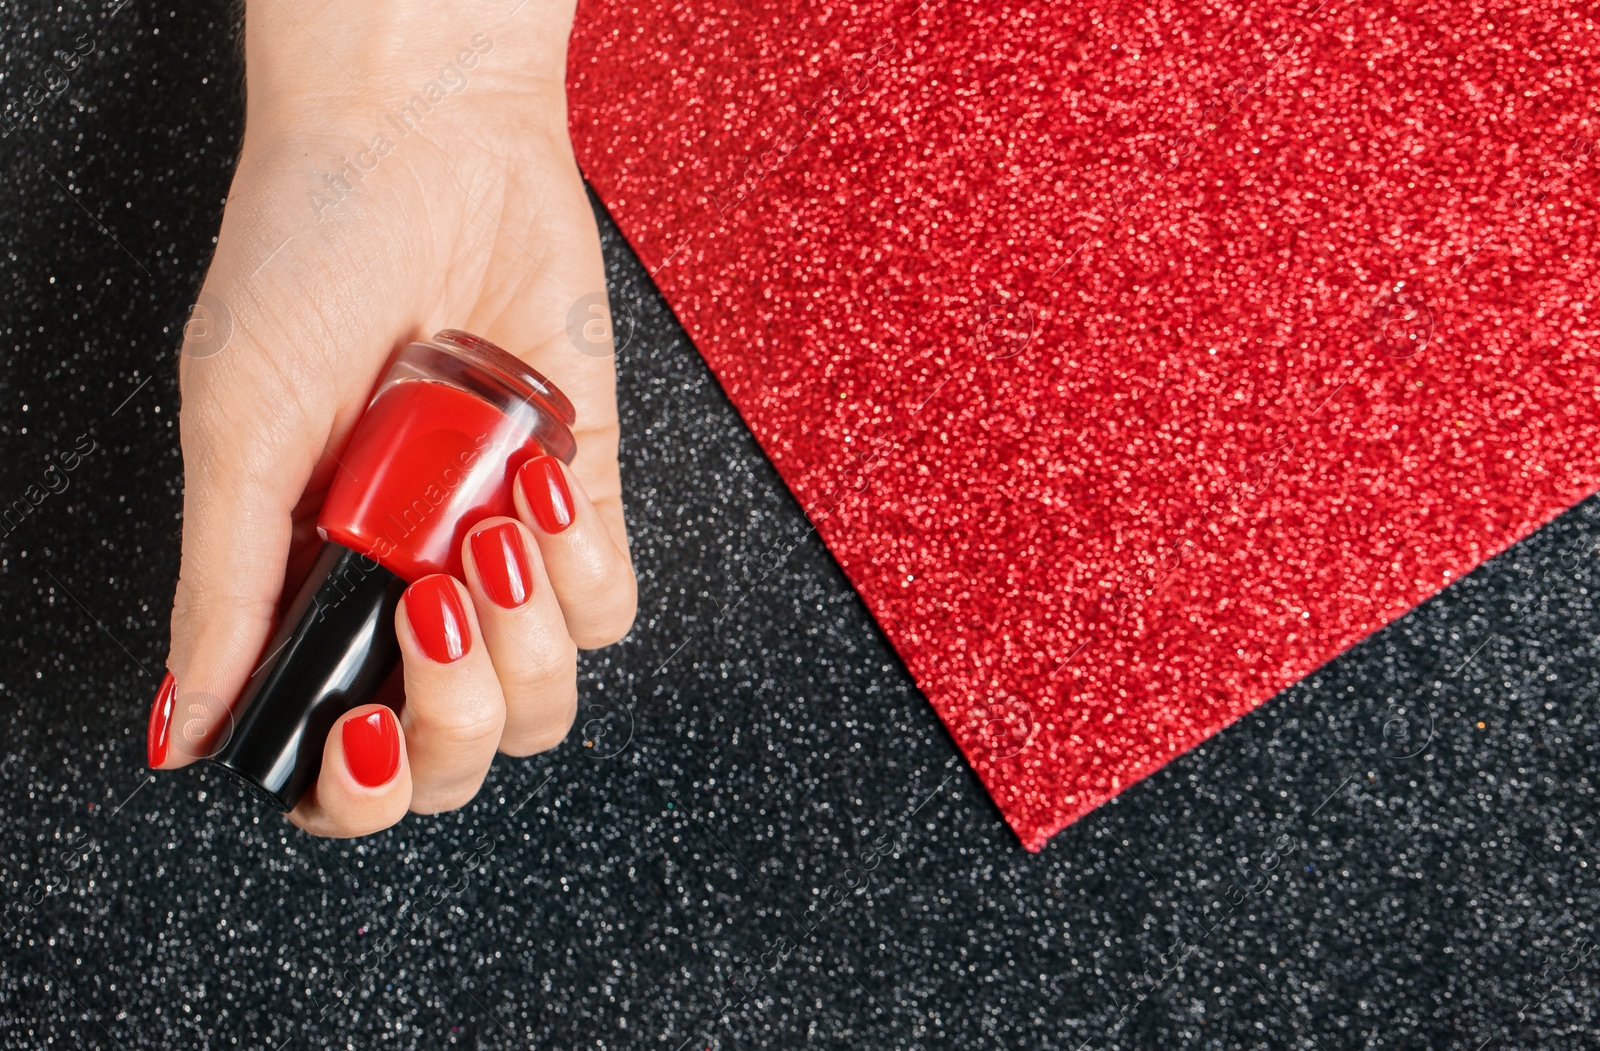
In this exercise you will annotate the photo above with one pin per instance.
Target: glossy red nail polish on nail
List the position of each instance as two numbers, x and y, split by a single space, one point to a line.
545 486
435 454
372 747
438 620
502 561
157 737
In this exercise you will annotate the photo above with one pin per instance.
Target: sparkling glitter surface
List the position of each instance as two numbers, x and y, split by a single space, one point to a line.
1398 852
1132 359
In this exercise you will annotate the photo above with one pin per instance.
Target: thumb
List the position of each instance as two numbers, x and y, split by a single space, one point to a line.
249 448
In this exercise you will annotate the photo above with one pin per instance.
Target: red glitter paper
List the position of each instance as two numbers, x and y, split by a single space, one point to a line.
1134 359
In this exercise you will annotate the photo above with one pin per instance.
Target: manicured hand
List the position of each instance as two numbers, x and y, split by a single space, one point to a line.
405 169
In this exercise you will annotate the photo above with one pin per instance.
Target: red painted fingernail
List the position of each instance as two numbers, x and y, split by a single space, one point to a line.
372 747
438 619
160 722
502 562
545 487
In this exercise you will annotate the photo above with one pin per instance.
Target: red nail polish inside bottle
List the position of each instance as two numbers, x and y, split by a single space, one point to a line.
434 454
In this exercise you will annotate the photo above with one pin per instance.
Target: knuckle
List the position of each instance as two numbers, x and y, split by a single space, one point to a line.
341 828
333 825
202 434
543 671
200 594
607 625
542 733
225 448
606 614
436 799
458 724
211 622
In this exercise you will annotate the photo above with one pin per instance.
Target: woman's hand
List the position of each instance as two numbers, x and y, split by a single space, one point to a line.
405 168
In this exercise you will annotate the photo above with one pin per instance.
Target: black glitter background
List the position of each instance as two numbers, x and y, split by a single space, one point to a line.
761 836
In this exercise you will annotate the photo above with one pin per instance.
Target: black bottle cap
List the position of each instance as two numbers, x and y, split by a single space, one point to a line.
333 651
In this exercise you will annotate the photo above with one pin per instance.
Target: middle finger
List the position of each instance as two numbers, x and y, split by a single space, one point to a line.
455 710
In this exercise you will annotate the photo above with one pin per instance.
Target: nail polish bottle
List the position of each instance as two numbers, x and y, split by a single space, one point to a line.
434 454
